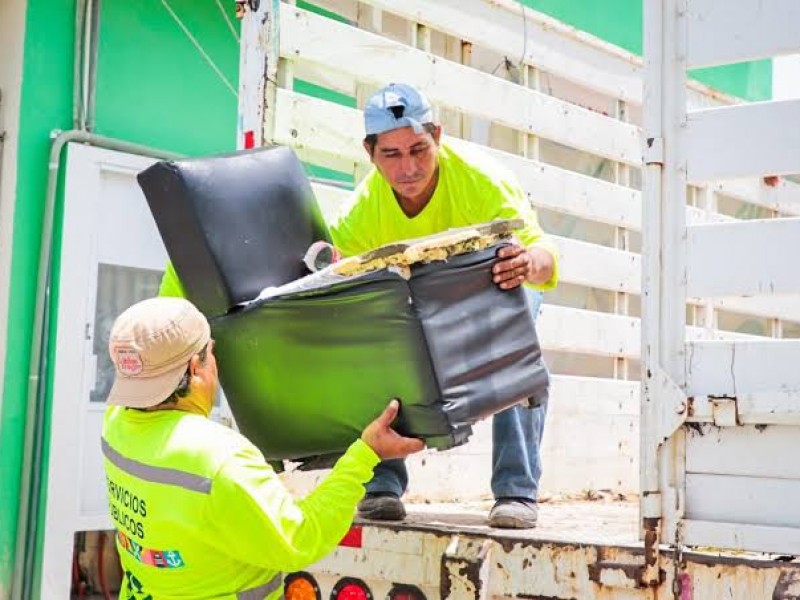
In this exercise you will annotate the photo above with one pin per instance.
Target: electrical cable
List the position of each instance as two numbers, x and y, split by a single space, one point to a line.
228 21
200 48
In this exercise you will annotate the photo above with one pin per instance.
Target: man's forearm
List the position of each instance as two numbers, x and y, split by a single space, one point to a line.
541 266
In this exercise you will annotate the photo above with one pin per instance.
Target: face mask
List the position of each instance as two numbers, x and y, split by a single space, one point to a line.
195 403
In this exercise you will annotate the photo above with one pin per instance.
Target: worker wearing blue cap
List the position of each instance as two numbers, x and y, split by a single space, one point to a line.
421 185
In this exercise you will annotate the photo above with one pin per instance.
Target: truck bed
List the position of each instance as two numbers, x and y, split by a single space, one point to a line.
581 549
605 521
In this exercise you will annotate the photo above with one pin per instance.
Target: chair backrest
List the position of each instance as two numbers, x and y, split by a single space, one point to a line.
234 224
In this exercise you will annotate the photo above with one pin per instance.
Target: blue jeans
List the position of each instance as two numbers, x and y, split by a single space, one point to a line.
516 438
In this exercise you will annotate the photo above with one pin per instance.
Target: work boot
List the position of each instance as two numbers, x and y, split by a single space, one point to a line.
381 506
513 513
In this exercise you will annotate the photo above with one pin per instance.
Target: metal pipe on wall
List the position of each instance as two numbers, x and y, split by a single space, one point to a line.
2 143
85 50
77 61
22 584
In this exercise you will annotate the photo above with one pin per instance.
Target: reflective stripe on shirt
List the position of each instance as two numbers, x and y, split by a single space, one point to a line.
188 481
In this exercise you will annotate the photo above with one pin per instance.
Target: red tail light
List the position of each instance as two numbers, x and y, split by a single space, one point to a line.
350 588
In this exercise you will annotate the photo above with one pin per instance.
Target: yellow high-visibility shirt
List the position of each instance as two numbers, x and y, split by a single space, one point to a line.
472 188
200 514
171 286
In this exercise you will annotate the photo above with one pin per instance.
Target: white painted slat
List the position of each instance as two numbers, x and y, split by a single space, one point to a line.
778 306
320 132
598 396
752 500
571 193
698 216
588 332
771 407
716 368
703 334
597 266
551 45
743 141
785 197
309 37
742 258
604 454
709 451
725 32
755 538
338 81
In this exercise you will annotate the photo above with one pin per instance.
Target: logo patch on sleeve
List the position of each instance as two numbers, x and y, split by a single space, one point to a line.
161 559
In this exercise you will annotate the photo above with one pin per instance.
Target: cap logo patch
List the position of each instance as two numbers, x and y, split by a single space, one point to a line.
129 362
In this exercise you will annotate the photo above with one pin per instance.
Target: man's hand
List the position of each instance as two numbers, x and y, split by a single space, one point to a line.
385 441
516 265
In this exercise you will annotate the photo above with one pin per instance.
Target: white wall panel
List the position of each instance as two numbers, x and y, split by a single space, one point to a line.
745 451
751 500
737 536
598 266
743 141
588 332
743 258
718 368
725 32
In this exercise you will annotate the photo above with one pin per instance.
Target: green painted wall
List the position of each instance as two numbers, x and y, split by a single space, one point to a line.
620 22
46 98
154 87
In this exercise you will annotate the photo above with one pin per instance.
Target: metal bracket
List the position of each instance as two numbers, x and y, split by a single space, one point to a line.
465 569
653 153
673 405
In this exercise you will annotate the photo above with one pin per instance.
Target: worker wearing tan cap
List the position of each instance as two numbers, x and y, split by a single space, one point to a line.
198 511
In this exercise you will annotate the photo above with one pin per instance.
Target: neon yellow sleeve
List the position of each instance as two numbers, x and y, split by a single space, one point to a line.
170 284
345 234
510 203
354 229
261 523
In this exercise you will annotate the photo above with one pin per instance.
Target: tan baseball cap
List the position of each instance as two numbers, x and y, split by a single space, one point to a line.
151 345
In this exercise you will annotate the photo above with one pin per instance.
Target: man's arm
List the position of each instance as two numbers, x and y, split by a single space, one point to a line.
260 522
170 284
518 265
534 259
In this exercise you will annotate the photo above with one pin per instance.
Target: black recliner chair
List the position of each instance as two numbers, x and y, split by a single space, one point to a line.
305 372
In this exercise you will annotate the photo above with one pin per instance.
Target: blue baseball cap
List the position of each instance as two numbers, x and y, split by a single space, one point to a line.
394 106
